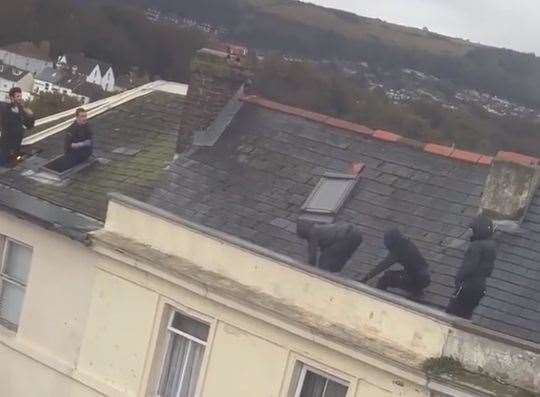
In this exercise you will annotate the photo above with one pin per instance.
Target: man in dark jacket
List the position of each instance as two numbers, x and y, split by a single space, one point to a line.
415 274
78 143
336 242
14 120
477 265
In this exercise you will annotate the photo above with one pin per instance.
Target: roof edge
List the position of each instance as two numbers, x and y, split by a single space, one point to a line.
388 136
397 300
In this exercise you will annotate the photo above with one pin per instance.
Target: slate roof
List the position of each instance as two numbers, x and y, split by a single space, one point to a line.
31 50
84 64
135 141
7 73
253 181
51 75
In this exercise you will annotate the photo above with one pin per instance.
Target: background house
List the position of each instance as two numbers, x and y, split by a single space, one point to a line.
95 72
10 77
27 56
63 81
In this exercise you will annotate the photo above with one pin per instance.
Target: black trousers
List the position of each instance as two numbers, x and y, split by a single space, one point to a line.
412 283
10 145
334 257
466 298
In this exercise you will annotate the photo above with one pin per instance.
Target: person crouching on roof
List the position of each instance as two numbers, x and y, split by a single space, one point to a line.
476 267
14 118
336 242
78 145
414 277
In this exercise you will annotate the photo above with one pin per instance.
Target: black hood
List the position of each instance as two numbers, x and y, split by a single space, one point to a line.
393 239
482 228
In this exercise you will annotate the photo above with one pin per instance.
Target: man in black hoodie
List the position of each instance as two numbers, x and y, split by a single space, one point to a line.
477 265
78 142
336 242
15 118
415 274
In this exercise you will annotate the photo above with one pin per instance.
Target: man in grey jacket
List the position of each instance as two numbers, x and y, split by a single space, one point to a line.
331 246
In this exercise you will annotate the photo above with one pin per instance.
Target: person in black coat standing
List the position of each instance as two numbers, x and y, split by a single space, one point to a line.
331 246
476 267
415 274
78 145
15 119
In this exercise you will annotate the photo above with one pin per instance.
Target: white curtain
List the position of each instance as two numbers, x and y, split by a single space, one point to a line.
182 366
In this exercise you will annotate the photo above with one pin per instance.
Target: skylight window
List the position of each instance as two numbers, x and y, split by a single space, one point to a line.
330 193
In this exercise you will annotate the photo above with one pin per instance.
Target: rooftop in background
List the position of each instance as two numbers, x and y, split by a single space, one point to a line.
84 64
31 50
134 139
50 75
11 73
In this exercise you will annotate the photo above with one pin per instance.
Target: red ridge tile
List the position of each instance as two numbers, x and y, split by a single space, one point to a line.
441 150
386 136
347 125
518 158
355 168
464 155
485 160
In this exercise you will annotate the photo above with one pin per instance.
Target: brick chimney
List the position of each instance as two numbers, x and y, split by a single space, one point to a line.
215 78
510 186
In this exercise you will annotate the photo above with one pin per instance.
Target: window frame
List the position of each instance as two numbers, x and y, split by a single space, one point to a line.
4 241
349 181
304 368
169 330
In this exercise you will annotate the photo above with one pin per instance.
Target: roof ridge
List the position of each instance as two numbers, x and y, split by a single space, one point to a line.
387 136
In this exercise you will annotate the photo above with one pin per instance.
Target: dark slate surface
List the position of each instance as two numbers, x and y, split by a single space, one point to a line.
252 182
149 124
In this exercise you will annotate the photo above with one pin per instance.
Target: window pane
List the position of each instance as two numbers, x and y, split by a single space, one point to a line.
18 259
181 367
316 385
329 194
11 299
334 389
190 326
313 385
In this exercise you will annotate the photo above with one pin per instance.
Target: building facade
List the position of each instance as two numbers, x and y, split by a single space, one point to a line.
10 77
27 56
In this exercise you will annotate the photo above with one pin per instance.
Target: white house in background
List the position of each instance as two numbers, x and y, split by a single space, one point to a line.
10 77
96 72
63 81
27 56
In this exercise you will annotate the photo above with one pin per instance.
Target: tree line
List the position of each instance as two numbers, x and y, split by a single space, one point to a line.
111 31
331 92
